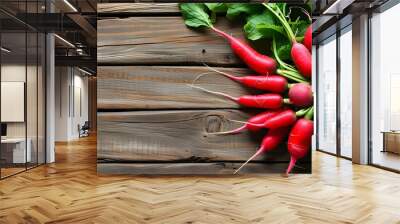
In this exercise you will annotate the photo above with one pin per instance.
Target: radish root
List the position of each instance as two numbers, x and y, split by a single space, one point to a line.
251 158
234 131
215 93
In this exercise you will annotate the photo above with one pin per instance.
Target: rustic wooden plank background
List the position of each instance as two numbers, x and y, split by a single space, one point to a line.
216 168
165 87
138 8
156 134
162 40
150 121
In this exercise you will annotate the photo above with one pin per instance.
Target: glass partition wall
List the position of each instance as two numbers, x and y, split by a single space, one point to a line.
22 88
334 95
385 89
327 95
345 92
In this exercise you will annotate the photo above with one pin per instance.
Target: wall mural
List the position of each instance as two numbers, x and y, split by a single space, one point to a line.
205 88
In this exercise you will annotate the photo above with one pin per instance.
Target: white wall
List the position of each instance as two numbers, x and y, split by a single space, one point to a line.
62 82
33 125
14 73
70 83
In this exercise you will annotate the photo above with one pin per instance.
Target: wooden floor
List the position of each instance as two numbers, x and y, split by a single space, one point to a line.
387 159
69 191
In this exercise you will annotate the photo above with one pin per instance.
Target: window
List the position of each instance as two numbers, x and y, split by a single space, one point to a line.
385 89
327 95
346 75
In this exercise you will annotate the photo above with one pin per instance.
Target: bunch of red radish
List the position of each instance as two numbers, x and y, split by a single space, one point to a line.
281 121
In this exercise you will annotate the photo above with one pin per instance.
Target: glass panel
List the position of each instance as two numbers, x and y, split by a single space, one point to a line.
31 100
327 95
346 93
385 84
41 99
13 87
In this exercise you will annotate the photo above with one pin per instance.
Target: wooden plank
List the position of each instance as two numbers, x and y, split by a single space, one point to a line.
138 8
181 136
221 168
165 87
162 40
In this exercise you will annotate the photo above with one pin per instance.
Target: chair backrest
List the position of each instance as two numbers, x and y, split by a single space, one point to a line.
86 125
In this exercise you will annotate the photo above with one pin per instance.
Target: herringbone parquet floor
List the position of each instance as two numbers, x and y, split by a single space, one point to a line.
69 191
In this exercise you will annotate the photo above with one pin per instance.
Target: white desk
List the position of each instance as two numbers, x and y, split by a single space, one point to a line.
19 154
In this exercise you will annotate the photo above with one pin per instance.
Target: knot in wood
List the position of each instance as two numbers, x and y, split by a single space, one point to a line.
213 124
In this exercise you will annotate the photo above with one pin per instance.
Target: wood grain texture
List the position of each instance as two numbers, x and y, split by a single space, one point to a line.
71 191
165 87
180 136
162 40
220 168
138 8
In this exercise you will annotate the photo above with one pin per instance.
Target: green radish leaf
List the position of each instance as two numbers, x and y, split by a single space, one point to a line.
262 26
299 27
283 48
195 15
281 6
237 9
267 30
217 7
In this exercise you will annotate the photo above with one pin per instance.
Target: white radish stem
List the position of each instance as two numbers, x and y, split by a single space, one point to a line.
222 73
251 158
234 131
216 93
199 76
246 122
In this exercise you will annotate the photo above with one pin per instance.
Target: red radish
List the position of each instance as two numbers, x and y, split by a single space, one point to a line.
299 141
272 140
250 124
301 95
270 83
259 63
196 16
265 101
308 38
272 120
283 119
301 57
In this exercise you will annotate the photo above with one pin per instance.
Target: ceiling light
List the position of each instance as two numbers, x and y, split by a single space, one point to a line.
84 71
70 5
65 41
5 50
